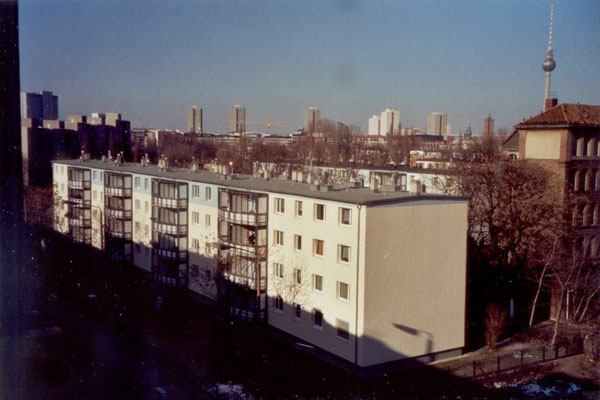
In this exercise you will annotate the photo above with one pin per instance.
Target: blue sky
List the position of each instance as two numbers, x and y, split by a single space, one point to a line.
150 60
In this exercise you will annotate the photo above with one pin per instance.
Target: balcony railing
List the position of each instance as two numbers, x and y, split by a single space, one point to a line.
79 202
169 254
247 249
81 222
117 191
119 234
169 203
80 184
118 213
240 218
177 230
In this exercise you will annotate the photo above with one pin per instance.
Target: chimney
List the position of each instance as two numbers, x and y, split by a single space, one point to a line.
416 187
552 102
374 184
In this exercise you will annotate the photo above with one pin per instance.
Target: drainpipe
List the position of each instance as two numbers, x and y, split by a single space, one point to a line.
357 284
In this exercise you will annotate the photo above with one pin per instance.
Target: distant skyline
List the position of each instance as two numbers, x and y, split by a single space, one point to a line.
151 61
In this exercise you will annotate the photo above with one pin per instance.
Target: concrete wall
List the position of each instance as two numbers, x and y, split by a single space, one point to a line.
543 144
328 266
415 277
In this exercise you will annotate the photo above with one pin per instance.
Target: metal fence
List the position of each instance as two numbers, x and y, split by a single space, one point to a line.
518 359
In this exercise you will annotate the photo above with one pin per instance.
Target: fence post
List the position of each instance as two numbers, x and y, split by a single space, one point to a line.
498 364
543 353
521 358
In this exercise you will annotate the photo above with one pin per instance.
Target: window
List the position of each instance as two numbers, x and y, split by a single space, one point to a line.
278 270
298 208
317 283
95 194
137 182
279 303
146 206
344 253
62 169
345 214
278 237
146 229
279 205
297 242
146 183
195 191
298 276
342 329
207 275
317 318
138 227
195 244
320 212
297 311
137 204
343 291
194 271
318 247
207 194
207 220
195 218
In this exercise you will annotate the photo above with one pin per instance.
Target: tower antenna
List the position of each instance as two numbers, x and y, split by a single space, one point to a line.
549 64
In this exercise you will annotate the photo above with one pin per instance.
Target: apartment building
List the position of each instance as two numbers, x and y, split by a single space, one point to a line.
371 276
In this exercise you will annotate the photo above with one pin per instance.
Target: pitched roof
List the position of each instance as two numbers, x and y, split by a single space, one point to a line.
565 115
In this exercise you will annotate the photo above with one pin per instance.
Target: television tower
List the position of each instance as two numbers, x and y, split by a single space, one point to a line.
548 65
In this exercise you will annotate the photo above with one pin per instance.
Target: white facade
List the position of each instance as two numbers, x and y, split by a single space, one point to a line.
339 275
312 120
437 124
387 123
374 125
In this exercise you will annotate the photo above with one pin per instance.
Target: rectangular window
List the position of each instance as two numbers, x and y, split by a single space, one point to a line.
207 194
317 283
317 318
195 244
137 182
344 253
342 329
146 183
298 276
318 247
278 270
278 237
343 291
320 212
138 227
297 242
146 229
196 191
207 220
194 271
298 208
195 218
279 205
137 204
279 303
345 216
95 194
297 311
146 206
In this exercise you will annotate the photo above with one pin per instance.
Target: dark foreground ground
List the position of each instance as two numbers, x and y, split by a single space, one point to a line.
116 345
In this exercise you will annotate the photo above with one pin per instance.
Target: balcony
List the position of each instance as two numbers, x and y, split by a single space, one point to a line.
171 229
117 191
173 254
169 203
86 185
117 213
80 222
242 218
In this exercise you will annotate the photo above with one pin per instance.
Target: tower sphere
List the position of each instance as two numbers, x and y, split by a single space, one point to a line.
548 65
